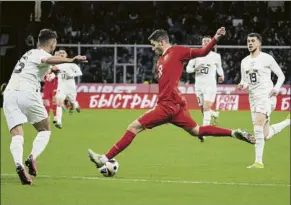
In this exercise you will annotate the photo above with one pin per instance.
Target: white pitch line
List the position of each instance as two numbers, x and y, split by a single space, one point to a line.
158 181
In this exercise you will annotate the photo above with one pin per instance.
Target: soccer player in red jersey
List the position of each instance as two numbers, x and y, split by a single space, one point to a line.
171 106
49 92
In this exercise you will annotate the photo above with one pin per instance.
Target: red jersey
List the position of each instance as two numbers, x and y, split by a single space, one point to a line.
50 85
170 67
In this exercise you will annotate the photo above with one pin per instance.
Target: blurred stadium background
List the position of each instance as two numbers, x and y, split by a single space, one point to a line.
98 26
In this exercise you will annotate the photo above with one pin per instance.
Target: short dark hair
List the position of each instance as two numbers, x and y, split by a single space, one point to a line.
206 36
159 35
45 35
259 37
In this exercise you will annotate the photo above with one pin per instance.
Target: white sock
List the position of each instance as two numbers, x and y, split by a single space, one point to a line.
76 104
16 148
40 142
59 114
206 117
104 158
276 128
260 143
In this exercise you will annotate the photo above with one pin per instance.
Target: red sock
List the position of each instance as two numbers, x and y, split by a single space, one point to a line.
47 109
213 131
120 145
54 107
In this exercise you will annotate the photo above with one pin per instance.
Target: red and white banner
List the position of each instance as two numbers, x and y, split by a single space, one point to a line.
153 88
147 101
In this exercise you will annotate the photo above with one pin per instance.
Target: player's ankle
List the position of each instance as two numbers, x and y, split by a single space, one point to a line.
104 158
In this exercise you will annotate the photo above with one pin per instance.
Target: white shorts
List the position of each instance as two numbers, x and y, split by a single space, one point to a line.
67 93
205 94
23 106
264 105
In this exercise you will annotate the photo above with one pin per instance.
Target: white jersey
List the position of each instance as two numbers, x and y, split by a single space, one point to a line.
256 75
205 69
29 71
68 71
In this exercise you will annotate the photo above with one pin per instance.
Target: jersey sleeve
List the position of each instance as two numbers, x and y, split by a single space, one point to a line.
218 66
191 66
278 71
189 53
77 70
40 55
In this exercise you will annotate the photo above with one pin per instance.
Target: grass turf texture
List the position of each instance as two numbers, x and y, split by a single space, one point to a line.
162 166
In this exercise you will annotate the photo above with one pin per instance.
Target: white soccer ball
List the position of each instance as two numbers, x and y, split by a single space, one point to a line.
110 168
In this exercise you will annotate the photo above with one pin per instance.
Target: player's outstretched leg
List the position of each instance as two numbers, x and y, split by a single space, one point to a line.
277 128
123 143
217 131
39 144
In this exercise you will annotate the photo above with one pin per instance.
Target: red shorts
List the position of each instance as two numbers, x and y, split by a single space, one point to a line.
167 112
49 93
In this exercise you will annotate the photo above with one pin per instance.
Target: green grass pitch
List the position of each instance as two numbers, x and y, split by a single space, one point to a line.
163 166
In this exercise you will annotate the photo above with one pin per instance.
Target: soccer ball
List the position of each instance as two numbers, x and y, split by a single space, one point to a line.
110 168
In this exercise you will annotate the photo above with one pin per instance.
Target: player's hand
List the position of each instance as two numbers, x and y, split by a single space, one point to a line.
80 59
219 33
274 92
220 79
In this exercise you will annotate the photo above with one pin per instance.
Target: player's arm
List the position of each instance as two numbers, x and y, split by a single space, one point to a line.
191 66
243 82
189 53
219 69
59 60
281 77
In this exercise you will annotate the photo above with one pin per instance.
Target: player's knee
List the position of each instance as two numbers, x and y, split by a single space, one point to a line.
43 125
260 120
135 127
207 106
17 130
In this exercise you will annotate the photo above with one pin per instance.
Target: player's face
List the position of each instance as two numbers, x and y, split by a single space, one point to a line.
253 44
63 53
157 47
57 53
205 41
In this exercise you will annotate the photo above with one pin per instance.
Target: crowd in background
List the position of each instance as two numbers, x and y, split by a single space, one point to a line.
186 23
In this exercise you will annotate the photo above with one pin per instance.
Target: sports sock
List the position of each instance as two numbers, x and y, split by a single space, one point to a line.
276 128
59 114
206 117
214 131
76 104
54 107
40 142
16 149
120 145
260 143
